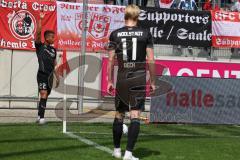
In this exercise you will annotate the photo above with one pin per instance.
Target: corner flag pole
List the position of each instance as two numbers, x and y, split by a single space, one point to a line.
82 58
65 103
64 61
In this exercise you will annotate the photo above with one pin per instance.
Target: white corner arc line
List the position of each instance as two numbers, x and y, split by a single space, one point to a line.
90 143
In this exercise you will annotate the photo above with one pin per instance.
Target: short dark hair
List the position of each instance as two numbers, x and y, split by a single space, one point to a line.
47 32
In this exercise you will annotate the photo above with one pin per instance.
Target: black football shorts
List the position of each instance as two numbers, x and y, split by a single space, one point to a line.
45 82
130 90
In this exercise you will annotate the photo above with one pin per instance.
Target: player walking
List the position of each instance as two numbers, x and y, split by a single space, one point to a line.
132 45
46 55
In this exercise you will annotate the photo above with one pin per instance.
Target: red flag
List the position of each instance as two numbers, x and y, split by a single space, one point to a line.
64 65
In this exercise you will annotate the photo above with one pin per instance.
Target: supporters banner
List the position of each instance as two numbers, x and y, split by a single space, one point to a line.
177 27
184 68
102 20
226 29
18 21
197 100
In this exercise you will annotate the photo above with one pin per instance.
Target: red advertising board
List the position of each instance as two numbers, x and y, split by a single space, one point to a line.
184 68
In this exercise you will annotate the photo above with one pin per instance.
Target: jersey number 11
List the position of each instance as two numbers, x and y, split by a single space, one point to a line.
125 48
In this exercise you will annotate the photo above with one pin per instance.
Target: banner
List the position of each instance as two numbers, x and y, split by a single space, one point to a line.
177 27
183 68
91 1
167 26
102 20
18 21
226 29
198 100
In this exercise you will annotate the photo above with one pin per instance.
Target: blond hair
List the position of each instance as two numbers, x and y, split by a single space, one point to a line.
132 12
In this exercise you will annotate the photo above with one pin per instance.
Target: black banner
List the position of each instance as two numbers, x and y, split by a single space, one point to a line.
177 27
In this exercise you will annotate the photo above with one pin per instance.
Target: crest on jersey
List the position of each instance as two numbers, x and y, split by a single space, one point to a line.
22 24
99 25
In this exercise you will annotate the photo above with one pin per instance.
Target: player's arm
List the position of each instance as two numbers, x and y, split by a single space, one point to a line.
110 68
151 61
56 74
39 29
151 66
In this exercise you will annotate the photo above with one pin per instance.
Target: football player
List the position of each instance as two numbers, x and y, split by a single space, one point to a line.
46 55
133 47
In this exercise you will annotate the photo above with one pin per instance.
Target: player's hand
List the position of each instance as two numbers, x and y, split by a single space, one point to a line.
110 88
42 15
152 88
57 82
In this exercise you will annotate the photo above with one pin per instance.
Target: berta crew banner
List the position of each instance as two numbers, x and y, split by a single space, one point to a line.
177 27
18 21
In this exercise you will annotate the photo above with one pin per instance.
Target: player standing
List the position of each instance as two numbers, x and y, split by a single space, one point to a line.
46 55
132 45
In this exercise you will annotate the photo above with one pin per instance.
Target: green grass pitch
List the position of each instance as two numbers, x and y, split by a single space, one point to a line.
156 142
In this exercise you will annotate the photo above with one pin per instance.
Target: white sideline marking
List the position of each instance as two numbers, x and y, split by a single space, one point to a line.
90 143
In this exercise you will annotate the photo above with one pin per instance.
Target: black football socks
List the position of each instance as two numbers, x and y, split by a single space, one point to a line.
117 132
133 132
42 107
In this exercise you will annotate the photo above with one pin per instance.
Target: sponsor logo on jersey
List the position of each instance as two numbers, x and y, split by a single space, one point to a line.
128 34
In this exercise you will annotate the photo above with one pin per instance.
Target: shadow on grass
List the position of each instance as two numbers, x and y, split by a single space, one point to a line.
40 151
32 140
146 152
4 125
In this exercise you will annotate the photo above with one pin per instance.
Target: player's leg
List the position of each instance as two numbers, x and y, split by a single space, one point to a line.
117 133
118 127
133 132
42 105
44 86
137 94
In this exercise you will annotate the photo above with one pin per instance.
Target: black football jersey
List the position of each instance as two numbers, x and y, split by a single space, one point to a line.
130 44
46 55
